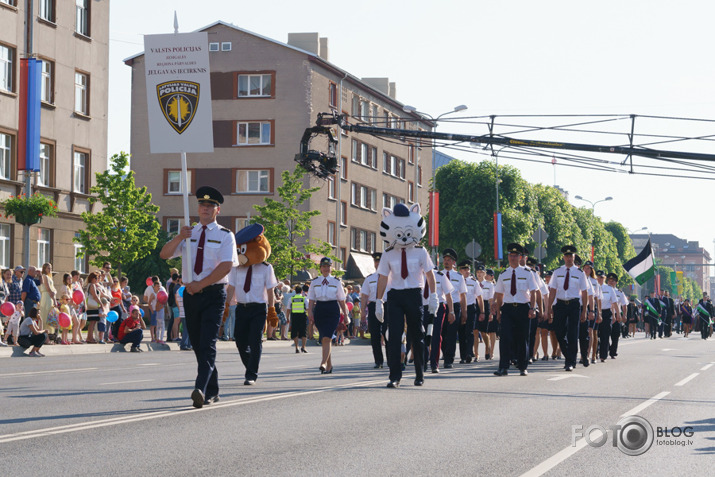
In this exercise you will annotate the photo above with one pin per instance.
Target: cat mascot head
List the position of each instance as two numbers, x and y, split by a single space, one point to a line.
402 227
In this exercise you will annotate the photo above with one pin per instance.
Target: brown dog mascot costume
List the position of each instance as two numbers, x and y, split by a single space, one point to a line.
252 282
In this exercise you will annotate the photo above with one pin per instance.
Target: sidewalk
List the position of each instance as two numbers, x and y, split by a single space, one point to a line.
146 345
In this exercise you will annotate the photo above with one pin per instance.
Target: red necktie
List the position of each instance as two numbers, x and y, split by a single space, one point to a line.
404 264
247 283
513 282
199 264
325 281
566 280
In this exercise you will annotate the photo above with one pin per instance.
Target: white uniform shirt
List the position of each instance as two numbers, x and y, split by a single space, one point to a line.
326 289
219 247
622 300
369 287
542 286
525 284
487 289
457 283
577 283
443 286
263 280
418 263
608 297
474 289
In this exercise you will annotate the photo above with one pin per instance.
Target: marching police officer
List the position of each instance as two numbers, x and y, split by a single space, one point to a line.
515 301
567 285
213 250
459 300
475 310
368 296
609 314
616 325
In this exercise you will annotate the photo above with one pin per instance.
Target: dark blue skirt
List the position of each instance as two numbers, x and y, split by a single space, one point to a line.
326 315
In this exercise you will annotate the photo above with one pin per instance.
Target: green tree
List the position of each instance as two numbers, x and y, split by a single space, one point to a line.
623 241
125 229
557 217
138 270
285 225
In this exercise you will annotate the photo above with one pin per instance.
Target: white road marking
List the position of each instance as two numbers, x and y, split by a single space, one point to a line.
668 349
706 367
149 364
126 382
564 454
561 377
35 373
686 380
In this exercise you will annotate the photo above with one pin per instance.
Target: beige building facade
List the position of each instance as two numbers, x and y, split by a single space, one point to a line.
71 38
264 95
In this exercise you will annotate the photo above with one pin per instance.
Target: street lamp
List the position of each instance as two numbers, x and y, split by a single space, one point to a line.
637 230
593 204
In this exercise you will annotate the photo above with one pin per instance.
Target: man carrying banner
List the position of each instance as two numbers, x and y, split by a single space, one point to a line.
204 296
651 315
705 313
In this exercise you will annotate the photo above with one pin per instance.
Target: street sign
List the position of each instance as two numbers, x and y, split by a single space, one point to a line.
540 236
473 249
540 252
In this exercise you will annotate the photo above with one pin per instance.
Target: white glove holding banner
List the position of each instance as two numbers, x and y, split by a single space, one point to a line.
433 303
379 311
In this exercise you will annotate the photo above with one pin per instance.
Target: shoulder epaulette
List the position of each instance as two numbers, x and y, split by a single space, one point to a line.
419 246
223 229
440 273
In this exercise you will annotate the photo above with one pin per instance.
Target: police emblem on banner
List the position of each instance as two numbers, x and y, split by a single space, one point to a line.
179 100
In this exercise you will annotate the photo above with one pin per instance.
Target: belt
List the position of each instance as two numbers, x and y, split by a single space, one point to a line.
247 305
515 304
567 302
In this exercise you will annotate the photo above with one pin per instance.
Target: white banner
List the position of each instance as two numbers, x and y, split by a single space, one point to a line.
178 91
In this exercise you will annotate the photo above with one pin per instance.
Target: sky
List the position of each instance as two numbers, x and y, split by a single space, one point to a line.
518 58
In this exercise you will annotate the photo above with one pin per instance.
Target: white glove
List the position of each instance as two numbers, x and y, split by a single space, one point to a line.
433 303
379 311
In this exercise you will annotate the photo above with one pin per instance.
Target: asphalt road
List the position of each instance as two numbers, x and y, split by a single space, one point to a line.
120 413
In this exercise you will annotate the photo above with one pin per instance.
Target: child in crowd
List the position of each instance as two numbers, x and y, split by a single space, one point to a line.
102 326
157 315
13 325
65 308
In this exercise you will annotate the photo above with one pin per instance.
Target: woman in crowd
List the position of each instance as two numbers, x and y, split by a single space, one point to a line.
32 333
327 300
116 303
94 295
687 313
48 294
79 309
4 295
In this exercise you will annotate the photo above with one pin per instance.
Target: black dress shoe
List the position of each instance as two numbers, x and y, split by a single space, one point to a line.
435 370
603 360
487 356
585 363
524 372
212 399
613 357
545 358
419 382
198 397
461 361
297 351
249 382
393 384
501 372
448 366
593 361
569 368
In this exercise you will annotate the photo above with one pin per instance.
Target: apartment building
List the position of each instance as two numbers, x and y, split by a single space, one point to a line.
265 93
71 38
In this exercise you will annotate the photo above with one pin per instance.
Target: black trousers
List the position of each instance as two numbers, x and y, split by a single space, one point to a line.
32 340
668 325
566 325
133 337
514 338
584 340
466 334
604 334
615 336
436 345
653 320
449 335
203 319
404 305
533 325
377 331
250 320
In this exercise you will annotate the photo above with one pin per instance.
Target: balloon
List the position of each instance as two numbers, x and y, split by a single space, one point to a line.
162 297
7 308
181 291
350 306
64 320
77 297
149 282
142 312
112 316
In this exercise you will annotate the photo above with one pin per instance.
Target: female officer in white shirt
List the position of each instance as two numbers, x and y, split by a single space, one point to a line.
327 300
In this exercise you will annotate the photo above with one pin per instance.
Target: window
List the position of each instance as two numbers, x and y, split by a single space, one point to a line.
362 240
242 222
254 181
7 68
394 167
253 86
386 167
213 46
390 200
355 110
173 182
401 168
81 93
9 2
80 263
44 178
173 225
47 10
254 133
226 46
331 187
354 150
363 196
373 157
410 191
344 168
333 94
343 213
331 233
82 17
6 143
44 238
79 168
387 119
343 257
5 241
419 175
411 154
364 154
48 81
375 114
365 110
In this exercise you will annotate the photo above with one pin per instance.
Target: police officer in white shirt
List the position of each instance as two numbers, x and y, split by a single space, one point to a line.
252 287
622 308
486 325
368 296
213 250
475 310
530 263
568 284
584 338
609 310
515 301
459 298
443 288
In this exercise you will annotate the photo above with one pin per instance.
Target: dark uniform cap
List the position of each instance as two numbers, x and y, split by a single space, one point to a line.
209 194
531 261
568 249
377 255
548 273
515 248
577 259
325 261
449 252
600 273
589 263
525 252
465 264
612 275
481 267
248 233
490 272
